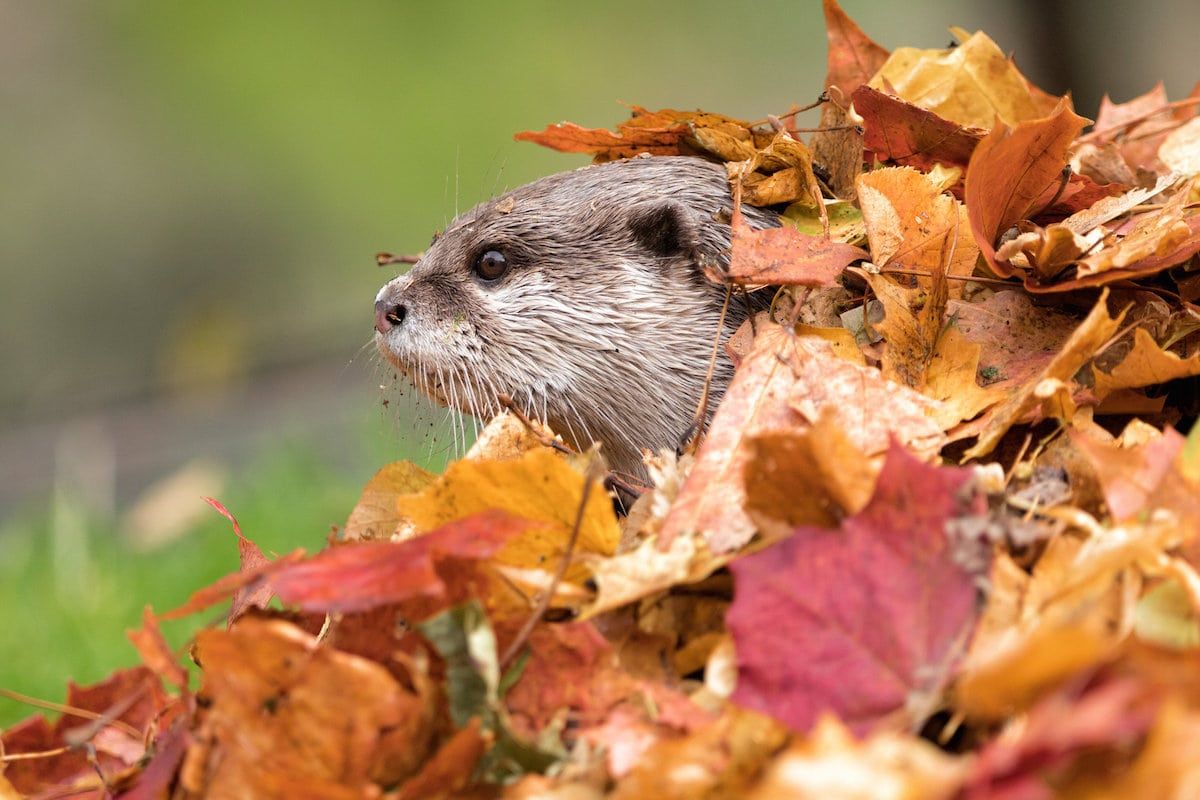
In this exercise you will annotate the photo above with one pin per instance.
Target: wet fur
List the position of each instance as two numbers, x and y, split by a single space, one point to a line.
603 325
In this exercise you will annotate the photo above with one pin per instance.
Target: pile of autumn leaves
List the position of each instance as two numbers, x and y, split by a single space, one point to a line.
960 525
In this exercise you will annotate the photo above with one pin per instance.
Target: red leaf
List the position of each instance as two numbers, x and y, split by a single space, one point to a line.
251 559
1010 170
361 575
861 621
896 130
130 696
156 653
853 57
785 256
355 577
1070 724
157 776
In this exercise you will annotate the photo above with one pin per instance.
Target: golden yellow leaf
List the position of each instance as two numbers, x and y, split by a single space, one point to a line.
913 225
910 327
1146 365
829 764
540 485
952 380
377 515
971 84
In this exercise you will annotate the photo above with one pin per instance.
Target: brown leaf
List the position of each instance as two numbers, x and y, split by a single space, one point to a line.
1137 126
1142 478
1094 331
665 133
1009 171
952 379
287 717
786 257
156 653
911 327
1147 364
814 477
838 147
449 769
898 131
720 759
913 225
828 763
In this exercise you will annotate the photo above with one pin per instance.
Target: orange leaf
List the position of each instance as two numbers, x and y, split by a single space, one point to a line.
1009 171
785 256
853 57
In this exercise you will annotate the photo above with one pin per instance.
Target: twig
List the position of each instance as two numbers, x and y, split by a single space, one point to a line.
70 710
1064 179
696 428
920 274
539 611
822 98
384 259
58 751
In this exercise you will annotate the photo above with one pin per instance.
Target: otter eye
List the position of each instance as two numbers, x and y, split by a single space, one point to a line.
491 265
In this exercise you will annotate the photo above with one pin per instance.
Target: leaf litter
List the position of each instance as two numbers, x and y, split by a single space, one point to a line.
940 539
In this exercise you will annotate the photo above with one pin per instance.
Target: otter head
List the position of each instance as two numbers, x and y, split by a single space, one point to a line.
579 296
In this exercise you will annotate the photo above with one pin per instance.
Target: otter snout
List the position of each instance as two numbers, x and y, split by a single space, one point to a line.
389 314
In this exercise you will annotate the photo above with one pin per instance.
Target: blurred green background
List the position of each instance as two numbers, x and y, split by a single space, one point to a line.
191 196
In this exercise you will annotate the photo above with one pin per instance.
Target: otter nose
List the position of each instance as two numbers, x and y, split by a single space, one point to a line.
388 315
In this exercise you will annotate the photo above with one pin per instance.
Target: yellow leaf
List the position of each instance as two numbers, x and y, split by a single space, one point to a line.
377 516
539 485
1146 365
971 84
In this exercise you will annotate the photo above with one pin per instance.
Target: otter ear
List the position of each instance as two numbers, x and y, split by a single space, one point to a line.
663 227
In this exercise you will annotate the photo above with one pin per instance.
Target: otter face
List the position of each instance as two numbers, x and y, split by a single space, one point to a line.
579 297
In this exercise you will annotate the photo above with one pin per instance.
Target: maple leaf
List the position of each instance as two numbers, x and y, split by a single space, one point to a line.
786 257
785 384
1144 477
866 621
251 561
1058 732
156 653
828 763
115 718
286 717
539 486
723 757
811 477
1083 344
1137 126
376 515
912 225
665 132
1146 364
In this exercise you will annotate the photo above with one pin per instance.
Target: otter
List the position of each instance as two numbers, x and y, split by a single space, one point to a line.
580 296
